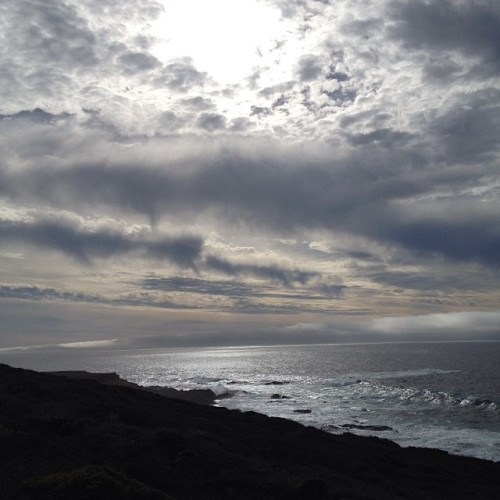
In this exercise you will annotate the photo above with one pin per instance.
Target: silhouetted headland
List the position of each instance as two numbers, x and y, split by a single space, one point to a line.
92 436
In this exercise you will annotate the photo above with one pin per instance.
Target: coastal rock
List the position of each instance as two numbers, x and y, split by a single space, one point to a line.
279 396
367 427
64 438
199 396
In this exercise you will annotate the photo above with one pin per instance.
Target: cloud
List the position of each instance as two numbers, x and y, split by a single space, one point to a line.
469 27
237 296
181 75
211 122
198 103
240 124
198 286
473 325
284 276
468 239
33 292
91 344
86 245
310 68
353 171
469 324
178 293
469 131
56 31
264 186
384 136
36 292
276 89
137 62
170 121
259 111
37 115
234 288
181 294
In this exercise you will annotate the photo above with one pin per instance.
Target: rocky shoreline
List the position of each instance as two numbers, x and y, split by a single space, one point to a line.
91 436
198 396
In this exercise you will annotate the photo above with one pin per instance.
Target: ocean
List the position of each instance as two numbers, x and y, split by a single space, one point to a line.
432 394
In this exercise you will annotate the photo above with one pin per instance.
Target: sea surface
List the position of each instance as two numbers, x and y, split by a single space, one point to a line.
439 395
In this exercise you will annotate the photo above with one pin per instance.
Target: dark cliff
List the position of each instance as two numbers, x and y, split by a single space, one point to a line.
62 438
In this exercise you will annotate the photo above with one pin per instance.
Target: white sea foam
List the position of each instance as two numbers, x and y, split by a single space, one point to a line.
203 380
221 390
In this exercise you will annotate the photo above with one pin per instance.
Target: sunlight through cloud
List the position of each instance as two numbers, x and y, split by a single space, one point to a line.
223 37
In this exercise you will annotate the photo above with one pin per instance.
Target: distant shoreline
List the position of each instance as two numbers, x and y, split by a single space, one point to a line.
67 348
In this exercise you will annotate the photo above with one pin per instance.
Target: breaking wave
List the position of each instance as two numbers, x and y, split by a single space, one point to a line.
357 378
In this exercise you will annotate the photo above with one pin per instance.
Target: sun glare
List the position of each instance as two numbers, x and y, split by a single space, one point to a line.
225 38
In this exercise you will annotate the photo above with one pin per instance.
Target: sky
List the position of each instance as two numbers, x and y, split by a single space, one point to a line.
235 172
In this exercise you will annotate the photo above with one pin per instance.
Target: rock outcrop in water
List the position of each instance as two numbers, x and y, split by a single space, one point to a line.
63 438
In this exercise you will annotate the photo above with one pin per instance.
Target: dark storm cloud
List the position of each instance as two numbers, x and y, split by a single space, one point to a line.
471 27
86 245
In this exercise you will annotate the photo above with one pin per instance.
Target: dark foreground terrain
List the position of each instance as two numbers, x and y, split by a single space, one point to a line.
63 438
